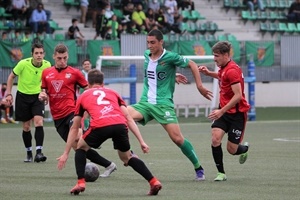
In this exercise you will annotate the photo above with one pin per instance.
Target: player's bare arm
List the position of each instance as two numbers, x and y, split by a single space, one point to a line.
135 130
237 90
10 80
72 137
205 92
204 70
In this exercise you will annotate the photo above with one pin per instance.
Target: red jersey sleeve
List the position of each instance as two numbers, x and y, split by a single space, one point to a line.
233 76
81 81
44 86
79 111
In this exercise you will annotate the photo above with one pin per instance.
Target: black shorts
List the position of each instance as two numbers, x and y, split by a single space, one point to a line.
27 106
119 134
234 124
63 126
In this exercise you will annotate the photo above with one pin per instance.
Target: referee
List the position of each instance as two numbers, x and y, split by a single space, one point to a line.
28 107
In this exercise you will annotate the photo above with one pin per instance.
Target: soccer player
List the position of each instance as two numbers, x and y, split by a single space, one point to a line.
27 105
157 97
59 88
109 119
231 116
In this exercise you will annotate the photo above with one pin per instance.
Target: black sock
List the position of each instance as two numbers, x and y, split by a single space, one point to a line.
199 168
241 149
80 162
218 158
39 135
27 137
95 157
140 167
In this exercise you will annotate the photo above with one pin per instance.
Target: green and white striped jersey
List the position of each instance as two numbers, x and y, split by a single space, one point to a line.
159 77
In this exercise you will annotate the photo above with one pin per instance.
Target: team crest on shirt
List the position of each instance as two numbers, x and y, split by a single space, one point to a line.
57 84
68 75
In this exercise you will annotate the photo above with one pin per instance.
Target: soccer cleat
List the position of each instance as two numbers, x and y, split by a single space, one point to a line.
11 120
28 159
200 175
3 121
79 187
244 156
220 177
40 158
108 170
154 188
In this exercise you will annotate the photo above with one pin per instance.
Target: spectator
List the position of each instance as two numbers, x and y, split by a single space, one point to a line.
108 11
4 105
4 36
112 28
172 26
101 22
133 29
183 4
19 9
74 32
84 8
34 3
294 12
38 20
139 17
150 18
252 3
162 24
127 13
172 5
26 37
154 5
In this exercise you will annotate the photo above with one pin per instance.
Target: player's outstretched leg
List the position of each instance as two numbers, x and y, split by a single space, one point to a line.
188 150
108 170
80 162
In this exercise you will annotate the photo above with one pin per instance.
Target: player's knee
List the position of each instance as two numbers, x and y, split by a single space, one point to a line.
231 148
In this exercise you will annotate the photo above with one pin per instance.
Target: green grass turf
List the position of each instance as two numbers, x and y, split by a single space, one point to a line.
272 170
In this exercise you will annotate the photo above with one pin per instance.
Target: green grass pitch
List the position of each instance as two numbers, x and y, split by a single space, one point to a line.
272 170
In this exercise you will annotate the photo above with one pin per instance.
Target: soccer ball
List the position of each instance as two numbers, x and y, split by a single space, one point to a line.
91 173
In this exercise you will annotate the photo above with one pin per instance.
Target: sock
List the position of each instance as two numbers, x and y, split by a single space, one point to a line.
218 158
27 137
188 150
140 167
241 149
95 157
39 138
80 162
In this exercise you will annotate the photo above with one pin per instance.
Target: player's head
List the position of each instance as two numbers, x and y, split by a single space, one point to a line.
61 56
86 65
95 77
155 41
221 52
38 53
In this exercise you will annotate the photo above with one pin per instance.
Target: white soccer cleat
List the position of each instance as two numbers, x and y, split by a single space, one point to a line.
108 170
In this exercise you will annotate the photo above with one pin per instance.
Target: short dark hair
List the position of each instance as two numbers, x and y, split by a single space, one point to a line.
157 34
74 20
61 48
221 47
95 76
36 45
86 60
4 84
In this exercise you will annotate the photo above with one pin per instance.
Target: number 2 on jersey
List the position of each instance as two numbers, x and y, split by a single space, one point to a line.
101 96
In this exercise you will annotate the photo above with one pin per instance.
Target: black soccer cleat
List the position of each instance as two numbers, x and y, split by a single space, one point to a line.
40 158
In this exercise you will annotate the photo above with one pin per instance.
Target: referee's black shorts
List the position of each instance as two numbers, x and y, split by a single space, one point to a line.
27 106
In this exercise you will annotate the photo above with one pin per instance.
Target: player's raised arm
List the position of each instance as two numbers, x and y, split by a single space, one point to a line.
135 130
204 70
205 92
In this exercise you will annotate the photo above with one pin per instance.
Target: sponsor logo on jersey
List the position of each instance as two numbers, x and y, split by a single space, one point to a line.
57 85
68 75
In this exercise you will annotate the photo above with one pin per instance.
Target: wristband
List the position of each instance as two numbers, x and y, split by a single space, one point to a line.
8 95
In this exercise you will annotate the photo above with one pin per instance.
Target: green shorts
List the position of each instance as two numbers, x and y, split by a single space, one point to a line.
161 113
